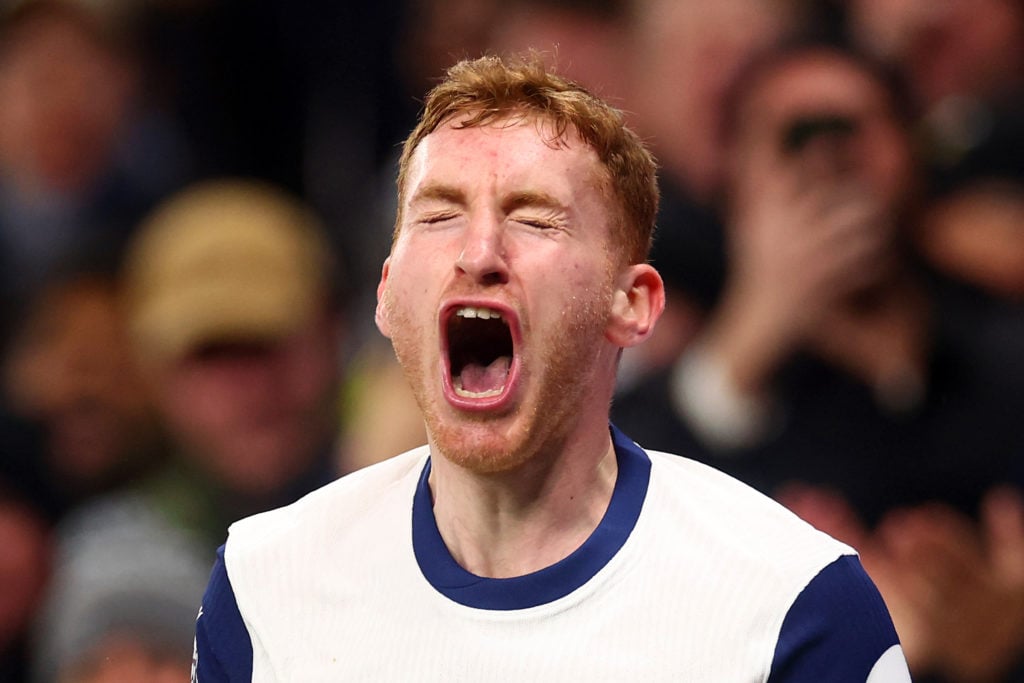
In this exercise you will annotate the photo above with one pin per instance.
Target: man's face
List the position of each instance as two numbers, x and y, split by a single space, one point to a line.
253 414
64 98
497 293
875 153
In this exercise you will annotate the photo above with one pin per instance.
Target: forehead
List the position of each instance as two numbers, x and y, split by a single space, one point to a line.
509 151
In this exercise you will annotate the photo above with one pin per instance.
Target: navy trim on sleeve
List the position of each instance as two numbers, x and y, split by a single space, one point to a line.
836 629
223 650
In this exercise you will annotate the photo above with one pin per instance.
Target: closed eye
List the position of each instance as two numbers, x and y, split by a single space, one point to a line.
438 217
538 223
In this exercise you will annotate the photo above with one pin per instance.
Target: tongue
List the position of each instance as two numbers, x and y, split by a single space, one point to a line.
480 378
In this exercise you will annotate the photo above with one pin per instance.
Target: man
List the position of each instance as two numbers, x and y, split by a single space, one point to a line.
528 540
229 297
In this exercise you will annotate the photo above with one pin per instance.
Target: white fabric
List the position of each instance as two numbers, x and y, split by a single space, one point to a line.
329 589
891 667
725 418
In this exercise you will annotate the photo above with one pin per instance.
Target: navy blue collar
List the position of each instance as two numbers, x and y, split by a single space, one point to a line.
550 583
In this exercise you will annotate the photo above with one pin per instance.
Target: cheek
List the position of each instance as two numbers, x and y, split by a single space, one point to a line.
586 295
407 295
891 168
197 402
310 369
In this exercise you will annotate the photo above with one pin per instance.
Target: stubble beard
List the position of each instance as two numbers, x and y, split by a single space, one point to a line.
486 443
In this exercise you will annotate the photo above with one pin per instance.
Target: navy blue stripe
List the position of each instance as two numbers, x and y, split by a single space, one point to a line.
223 646
550 583
836 629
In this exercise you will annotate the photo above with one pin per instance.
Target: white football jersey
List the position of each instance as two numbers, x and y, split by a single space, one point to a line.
690 576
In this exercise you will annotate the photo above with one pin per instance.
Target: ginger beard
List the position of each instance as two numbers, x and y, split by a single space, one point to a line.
557 380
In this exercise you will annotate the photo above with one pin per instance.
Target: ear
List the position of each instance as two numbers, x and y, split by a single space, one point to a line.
381 314
637 303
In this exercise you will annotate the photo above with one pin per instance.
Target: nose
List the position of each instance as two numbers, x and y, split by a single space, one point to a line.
483 256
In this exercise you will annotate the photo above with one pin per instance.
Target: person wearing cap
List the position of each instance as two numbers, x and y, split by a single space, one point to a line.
231 304
231 308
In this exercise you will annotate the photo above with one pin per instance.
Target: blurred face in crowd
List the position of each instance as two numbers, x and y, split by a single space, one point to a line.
63 97
819 115
587 46
253 414
686 54
70 368
499 288
948 47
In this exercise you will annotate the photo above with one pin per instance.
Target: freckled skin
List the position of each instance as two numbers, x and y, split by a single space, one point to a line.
548 263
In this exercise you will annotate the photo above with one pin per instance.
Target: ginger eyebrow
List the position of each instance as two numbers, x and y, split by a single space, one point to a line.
527 198
442 193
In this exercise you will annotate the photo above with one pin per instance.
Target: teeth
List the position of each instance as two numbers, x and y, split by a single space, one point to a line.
478 312
475 394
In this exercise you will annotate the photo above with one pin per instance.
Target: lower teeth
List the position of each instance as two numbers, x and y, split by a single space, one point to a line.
465 393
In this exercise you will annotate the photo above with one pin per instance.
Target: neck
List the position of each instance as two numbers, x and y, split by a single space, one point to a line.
514 523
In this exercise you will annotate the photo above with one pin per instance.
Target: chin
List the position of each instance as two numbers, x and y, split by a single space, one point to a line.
482 446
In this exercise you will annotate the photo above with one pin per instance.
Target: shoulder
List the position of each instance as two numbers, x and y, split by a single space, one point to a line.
838 629
330 509
266 555
274 561
737 515
829 619
223 647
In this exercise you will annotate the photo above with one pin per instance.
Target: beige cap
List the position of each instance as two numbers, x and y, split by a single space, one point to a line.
227 260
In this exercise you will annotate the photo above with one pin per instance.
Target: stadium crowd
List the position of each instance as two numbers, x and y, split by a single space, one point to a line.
196 197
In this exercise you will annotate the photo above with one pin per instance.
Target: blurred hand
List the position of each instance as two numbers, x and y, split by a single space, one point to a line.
965 581
884 342
799 248
828 511
954 589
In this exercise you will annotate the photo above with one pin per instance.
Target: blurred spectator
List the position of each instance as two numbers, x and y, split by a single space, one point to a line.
685 55
79 161
24 568
681 56
586 40
230 297
972 235
69 370
964 61
975 234
824 375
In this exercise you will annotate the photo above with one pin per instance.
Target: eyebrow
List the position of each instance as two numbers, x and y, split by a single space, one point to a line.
532 199
438 192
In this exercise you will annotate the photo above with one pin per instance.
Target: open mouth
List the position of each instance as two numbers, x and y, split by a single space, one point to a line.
480 352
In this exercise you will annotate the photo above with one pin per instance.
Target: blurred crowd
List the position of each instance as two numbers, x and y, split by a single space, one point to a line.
196 197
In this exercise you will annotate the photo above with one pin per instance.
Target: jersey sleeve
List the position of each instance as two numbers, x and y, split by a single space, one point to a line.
223 648
838 630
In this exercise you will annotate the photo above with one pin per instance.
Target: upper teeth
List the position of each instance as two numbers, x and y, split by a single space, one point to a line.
477 312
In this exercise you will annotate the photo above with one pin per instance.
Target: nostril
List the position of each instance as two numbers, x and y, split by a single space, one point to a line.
494 278
483 261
